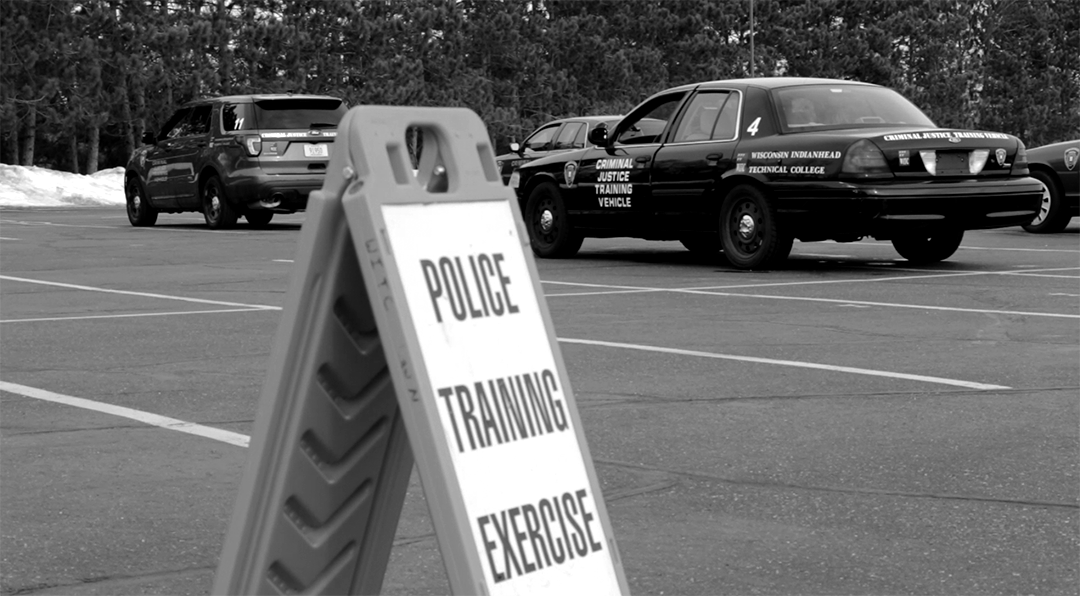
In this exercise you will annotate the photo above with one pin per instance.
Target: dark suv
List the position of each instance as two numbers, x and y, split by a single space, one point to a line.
249 155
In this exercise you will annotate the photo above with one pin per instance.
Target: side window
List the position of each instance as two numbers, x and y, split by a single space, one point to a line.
541 139
237 116
569 132
199 123
727 123
175 124
582 135
701 117
648 122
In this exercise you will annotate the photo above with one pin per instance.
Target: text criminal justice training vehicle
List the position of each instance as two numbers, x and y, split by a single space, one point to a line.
748 166
554 137
241 155
1055 166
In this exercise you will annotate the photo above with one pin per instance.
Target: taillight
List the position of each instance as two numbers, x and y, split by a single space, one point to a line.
865 160
253 144
1020 162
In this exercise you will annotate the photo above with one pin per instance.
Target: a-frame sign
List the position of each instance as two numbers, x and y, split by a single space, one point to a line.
415 325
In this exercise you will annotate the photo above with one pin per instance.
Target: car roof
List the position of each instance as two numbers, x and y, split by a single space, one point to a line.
247 98
589 119
768 83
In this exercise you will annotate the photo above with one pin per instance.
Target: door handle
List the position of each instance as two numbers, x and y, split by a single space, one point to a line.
713 158
642 159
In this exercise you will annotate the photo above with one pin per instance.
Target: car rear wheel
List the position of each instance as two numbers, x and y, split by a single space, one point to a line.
218 212
923 249
550 233
140 212
750 232
1053 216
258 219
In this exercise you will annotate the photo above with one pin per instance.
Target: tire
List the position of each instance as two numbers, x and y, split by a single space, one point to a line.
750 232
702 245
219 214
1053 215
550 232
258 219
139 211
923 249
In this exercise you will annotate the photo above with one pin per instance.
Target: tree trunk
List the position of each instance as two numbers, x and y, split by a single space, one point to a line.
10 150
125 114
92 149
73 150
29 138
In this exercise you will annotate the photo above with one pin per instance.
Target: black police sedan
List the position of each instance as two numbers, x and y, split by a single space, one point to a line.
748 166
554 137
1055 166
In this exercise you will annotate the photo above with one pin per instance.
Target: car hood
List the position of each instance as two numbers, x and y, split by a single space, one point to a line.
556 158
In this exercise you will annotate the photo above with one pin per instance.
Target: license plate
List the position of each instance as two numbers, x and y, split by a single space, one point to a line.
319 150
952 163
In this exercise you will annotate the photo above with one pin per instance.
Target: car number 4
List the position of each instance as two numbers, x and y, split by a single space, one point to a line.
752 129
320 150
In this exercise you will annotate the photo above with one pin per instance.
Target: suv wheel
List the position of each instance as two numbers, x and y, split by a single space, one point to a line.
258 219
219 213
139 211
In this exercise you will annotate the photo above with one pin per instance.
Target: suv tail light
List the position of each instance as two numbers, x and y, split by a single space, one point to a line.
1020 162
865 160
253 144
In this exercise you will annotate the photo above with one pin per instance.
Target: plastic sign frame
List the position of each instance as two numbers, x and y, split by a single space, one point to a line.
448 355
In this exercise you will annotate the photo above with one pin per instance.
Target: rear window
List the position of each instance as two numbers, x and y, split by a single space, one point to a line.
298 113
845 106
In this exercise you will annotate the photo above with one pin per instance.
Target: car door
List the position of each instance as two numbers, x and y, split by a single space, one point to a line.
611 188
159 186
186 149
687 170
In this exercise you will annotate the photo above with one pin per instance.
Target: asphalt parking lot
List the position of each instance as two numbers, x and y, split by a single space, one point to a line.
846 425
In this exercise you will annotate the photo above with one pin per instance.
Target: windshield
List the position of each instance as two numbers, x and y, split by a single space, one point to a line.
845 106
299 113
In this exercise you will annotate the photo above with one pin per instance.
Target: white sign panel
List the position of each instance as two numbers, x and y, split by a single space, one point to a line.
500 398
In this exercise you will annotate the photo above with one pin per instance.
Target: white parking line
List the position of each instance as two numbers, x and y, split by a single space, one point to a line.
795 363
141 294
140 314
165 422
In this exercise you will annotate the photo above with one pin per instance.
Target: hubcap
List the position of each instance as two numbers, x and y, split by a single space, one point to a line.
1044 208
215 205
547 221
747 227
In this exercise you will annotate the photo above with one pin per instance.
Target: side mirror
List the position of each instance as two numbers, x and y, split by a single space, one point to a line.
149 138
515 147
598 136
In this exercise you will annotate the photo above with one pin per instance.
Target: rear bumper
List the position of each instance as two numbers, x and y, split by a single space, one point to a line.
884 210
281 193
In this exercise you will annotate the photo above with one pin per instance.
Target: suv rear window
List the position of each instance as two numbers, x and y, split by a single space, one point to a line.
298 113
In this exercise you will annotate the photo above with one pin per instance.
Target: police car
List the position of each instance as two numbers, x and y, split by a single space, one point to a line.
748 166
1055 166
554 137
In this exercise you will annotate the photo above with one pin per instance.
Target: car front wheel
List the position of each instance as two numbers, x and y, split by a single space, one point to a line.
749 231
218 212
923 249
139 211
1053 216
550 233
